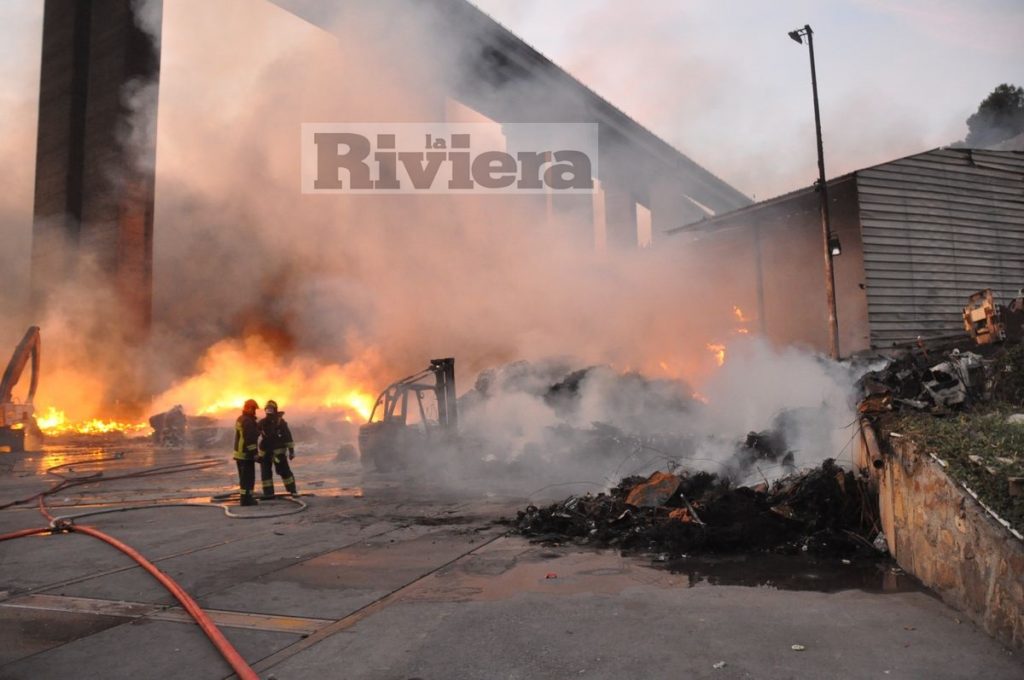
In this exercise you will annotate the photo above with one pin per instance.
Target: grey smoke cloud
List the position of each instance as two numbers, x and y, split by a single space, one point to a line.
413 276
369 288
551 422
19 73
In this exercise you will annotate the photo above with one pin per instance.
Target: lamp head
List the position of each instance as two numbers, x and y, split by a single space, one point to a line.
797 36
834 246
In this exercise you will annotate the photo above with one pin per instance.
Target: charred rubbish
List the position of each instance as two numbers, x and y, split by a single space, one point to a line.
173 429
940 383
955 373
823 511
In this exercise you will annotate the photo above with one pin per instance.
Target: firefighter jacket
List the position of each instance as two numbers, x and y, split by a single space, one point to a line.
247 432
277 437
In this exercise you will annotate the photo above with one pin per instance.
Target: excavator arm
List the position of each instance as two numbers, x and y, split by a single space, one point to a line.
16 417
27 350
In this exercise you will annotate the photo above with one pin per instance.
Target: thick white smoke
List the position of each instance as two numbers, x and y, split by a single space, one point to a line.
548 424
488 279
287 290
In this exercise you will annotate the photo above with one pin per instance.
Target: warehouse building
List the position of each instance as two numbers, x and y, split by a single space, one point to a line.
918 236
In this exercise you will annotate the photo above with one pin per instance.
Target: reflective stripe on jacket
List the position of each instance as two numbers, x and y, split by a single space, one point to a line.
247 432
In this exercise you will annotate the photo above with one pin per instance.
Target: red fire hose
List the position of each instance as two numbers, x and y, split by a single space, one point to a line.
24 532
226 649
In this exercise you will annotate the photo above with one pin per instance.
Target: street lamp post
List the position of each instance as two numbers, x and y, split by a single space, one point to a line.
830 241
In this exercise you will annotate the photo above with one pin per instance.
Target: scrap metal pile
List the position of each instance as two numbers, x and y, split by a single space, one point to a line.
825 511
974 369
960 380
923 381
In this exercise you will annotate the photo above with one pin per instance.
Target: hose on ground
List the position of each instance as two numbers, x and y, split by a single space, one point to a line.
25 532
64 524
226 649
227 511
67 482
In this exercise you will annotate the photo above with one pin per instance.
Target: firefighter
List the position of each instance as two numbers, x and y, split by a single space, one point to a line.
247 432
275 442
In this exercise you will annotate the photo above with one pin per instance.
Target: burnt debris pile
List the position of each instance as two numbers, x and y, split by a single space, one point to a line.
924 381
824 511
955 374
956 381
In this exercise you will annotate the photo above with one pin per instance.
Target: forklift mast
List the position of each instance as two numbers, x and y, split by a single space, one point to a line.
444 375
392 406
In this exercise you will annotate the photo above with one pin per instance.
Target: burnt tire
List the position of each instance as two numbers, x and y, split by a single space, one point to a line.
382 447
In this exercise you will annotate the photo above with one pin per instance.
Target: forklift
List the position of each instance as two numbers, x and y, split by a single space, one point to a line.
410 418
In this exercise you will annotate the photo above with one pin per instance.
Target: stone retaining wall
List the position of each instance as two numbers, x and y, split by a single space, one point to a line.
940 534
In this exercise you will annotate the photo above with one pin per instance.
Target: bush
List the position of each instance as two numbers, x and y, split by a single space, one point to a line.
1008 377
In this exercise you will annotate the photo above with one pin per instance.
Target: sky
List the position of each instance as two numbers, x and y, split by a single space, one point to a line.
721 80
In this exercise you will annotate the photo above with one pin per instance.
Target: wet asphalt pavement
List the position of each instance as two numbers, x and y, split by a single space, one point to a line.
384 577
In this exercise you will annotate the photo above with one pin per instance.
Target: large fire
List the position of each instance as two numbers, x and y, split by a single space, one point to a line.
68 395
54 421
230 372
235 370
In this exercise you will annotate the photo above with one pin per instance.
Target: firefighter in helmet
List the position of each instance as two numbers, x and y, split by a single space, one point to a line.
247 432
276 441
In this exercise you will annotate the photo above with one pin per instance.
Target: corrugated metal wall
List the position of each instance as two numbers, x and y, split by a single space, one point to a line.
937 227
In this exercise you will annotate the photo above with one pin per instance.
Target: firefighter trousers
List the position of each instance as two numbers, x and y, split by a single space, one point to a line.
246 477
279 462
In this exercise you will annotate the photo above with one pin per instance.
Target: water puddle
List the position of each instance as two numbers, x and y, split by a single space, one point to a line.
794 572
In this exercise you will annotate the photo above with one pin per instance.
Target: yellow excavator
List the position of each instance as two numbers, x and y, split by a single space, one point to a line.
18 417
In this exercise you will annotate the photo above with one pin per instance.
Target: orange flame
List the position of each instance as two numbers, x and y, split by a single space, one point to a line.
67 402
719 352
53 421
232 371
742 318
718 349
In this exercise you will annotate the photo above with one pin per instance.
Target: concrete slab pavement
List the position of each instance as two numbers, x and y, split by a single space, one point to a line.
397 581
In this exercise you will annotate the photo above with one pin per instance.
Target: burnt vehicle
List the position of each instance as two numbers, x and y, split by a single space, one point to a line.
173 429
410 418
